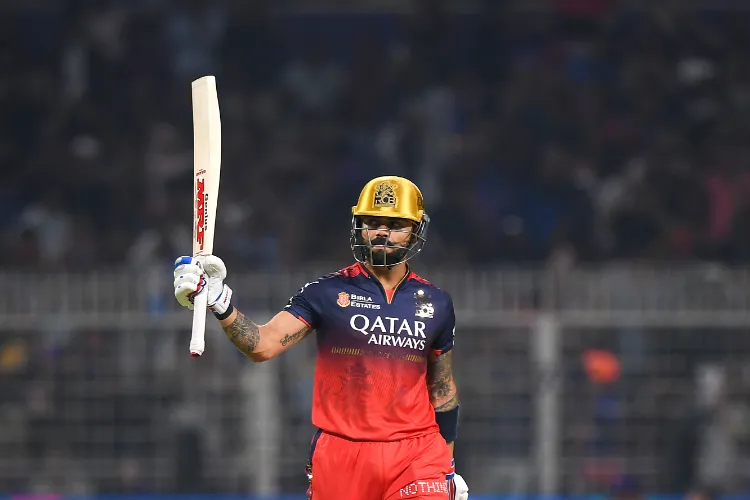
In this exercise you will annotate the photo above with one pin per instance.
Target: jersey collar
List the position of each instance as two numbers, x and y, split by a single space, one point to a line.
388 297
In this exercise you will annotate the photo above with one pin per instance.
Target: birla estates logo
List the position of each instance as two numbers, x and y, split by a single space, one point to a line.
351 300
343 299
200 207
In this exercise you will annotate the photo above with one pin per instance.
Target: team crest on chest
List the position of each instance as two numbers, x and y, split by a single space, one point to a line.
385 195
346 299
343 299
423 305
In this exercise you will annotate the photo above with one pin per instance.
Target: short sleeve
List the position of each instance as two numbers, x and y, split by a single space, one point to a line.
301 305
446 335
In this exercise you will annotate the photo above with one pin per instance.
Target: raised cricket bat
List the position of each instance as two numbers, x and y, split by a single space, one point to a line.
206 174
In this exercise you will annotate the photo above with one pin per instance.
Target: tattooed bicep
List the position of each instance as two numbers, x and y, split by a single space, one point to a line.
440 380
292 338
440 363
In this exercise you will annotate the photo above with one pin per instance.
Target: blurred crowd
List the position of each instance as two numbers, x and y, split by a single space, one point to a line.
594 130
604 129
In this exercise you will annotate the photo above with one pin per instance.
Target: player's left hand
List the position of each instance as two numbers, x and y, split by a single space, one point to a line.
457 487
460 488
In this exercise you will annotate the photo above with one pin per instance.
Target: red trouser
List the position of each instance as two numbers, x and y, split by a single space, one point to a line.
412 468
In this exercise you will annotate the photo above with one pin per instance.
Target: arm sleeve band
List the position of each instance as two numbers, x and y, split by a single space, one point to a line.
226 314
448 423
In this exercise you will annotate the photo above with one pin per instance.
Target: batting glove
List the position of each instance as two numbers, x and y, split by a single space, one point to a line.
457 488
204 274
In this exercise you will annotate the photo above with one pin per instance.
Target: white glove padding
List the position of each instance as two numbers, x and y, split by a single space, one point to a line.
459 490
204 274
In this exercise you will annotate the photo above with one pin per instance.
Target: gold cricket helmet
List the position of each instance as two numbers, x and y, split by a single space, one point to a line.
390 196
393 197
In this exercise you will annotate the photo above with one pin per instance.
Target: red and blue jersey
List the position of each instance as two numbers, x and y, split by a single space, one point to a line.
371 368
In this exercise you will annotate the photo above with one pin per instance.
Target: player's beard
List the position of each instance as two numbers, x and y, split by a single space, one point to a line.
381 256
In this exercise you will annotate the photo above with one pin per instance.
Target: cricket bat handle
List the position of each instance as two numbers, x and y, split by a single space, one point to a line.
198 337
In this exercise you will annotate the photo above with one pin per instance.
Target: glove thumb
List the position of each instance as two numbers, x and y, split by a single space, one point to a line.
213 266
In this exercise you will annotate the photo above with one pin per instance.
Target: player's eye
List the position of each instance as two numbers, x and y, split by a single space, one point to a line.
390 223
374 222
400 224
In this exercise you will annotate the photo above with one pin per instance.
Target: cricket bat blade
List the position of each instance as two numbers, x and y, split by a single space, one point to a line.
206 175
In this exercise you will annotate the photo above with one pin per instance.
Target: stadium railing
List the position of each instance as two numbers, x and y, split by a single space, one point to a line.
99 395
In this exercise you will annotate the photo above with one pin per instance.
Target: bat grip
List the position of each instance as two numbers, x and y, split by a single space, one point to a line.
198 337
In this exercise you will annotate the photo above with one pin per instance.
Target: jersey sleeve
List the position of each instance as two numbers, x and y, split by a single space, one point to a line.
446 335
302 305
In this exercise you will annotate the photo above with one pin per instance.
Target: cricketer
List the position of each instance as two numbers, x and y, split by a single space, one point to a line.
385 403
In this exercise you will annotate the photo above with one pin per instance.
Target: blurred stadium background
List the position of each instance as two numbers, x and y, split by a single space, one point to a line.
586 164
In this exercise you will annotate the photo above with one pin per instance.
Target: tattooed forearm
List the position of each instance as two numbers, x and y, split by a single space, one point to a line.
440 383
448 405
300 334
243 333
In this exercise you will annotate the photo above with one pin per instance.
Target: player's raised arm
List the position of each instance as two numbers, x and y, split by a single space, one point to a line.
263 342
257 342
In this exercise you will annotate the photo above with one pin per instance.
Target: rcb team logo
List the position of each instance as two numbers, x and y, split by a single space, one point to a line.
343 299
385 195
